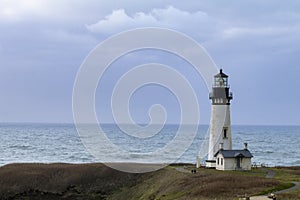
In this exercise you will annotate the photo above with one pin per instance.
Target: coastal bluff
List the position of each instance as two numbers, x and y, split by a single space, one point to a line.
97 181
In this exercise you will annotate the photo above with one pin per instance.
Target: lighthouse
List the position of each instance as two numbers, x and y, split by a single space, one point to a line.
220 128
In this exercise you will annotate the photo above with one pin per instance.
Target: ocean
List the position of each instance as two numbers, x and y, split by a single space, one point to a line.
48 143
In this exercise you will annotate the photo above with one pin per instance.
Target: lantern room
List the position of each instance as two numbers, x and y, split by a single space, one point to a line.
221 80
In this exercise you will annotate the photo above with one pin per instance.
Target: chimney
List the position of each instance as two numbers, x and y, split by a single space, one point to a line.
221 145
246 146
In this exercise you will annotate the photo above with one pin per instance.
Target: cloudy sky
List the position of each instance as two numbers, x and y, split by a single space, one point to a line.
43 44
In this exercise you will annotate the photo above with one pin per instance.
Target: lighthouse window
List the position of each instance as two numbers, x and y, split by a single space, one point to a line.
225 133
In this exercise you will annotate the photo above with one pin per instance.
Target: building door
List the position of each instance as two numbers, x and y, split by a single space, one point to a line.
238 163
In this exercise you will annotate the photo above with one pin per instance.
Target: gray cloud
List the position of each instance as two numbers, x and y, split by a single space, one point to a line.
169 17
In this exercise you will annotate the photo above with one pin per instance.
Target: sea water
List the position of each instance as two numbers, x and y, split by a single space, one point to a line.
47 143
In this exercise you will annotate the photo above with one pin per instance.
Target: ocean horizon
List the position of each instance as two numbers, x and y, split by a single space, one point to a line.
271 145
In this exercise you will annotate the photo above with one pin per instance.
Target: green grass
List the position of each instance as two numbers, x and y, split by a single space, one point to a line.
287 175
253 172
279 187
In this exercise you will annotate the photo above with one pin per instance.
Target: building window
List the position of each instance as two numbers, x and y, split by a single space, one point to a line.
218 161
221 161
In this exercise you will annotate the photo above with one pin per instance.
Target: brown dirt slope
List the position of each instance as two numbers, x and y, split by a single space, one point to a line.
65 181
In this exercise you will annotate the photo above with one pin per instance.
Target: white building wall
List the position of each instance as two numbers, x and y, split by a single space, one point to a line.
219 165
231 163
210 165
220 118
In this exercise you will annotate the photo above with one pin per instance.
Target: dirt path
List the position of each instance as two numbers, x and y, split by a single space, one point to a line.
269 173
182 169
259 198
295 187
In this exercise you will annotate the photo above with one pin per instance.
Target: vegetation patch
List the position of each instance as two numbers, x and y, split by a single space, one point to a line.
281 186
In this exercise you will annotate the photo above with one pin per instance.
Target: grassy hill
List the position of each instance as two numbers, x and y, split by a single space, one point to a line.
96 181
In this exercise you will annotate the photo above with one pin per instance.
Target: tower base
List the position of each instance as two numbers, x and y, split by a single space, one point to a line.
210 164
198 165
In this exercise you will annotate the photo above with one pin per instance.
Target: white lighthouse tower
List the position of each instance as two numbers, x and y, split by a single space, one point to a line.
220 129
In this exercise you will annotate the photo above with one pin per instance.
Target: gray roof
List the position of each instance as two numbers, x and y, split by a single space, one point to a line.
235 153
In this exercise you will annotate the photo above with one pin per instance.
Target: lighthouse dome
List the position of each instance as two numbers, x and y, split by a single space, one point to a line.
221 74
